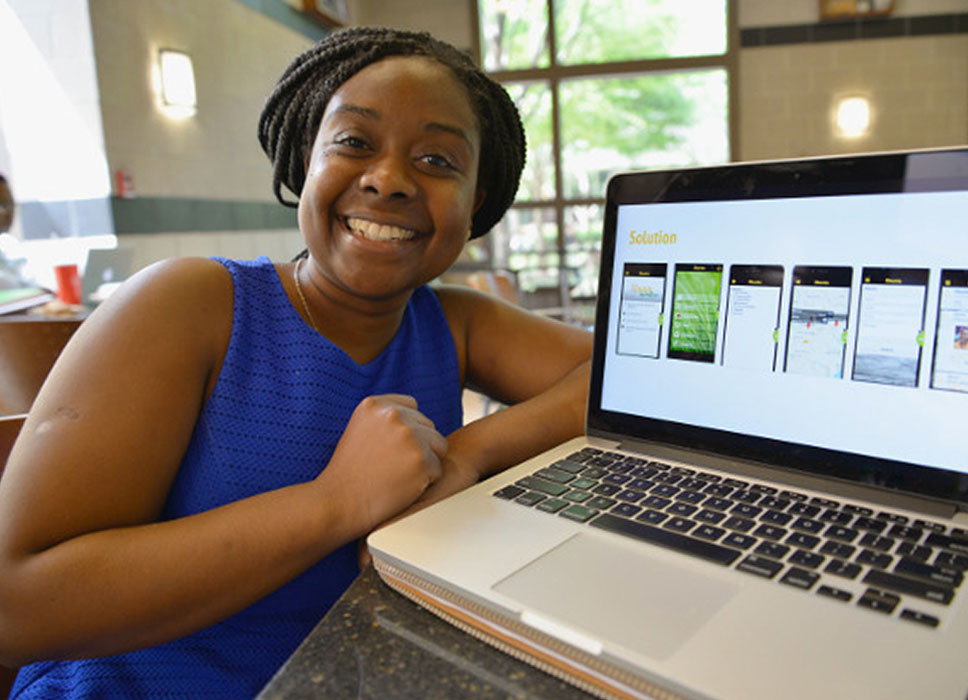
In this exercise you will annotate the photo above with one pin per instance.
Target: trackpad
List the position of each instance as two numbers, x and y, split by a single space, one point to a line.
607 593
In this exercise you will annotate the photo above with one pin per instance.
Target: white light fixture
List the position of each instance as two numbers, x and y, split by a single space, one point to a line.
177 83
852 116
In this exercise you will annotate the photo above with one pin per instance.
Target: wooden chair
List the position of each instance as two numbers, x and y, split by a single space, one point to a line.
9 429
28 349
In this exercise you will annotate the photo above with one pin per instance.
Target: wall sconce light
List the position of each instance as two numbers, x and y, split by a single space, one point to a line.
852 116
177 83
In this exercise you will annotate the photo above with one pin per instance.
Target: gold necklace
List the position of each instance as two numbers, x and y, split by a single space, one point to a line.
302 297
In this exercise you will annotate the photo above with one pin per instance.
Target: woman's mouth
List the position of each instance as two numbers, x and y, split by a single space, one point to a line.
379 232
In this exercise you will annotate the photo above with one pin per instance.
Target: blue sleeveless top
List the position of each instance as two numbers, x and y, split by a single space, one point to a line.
281 402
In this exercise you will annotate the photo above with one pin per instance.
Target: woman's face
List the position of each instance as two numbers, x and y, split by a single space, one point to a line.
391 182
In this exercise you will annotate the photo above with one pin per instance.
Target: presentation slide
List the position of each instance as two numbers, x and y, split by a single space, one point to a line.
817 334
839 322
640 318
752 316
890 325
695 312
951 340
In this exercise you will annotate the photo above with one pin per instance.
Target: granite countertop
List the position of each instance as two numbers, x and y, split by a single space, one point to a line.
374 643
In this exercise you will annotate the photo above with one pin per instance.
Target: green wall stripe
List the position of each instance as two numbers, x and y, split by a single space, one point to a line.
286 15
173 214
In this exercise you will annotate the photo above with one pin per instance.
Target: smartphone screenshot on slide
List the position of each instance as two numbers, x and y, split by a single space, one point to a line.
890 325
695 312
950 368
752 316
817 331
640 316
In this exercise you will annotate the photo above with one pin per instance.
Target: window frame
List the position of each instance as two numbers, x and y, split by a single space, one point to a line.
556 73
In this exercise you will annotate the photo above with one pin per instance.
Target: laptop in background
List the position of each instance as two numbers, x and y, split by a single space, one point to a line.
104 271
770 497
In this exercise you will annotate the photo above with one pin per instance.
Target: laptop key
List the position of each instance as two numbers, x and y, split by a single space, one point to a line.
530 498
919 617
935 574
955 561
738 523
801 578
876 559
666 538
569 466
841 568
775 517
509 492
710 516
626 510
761 566
708 532
934 592
771 532
679 524
653 517
880 601
955 544
556 475
737 539
552 505
878 542
916 551
835 593
838 549
547 487
811 560
578 513
600 502
773 550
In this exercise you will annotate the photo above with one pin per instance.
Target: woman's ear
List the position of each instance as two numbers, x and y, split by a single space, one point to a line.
479 198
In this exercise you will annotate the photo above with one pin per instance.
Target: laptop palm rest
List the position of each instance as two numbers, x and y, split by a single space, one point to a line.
663 605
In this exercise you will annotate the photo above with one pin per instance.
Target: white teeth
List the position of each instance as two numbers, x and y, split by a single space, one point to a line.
380 232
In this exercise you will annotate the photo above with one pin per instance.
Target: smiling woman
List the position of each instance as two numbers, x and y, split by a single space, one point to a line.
304 403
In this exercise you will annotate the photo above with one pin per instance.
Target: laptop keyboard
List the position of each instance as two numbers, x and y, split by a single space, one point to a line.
882 561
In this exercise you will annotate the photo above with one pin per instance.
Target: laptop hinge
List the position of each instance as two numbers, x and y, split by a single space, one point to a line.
945 510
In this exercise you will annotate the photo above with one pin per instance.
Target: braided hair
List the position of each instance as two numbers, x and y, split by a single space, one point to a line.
292 113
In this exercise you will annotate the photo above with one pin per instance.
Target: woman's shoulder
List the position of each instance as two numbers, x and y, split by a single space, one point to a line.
192 297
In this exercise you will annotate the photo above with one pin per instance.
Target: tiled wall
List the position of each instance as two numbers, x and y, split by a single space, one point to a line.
917 86
194 177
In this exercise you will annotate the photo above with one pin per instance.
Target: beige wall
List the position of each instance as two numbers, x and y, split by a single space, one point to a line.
448 20
238 55
917 86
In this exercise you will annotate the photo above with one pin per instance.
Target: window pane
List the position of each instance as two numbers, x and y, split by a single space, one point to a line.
528 237
592 31
640 121
534 103
514 34
583 245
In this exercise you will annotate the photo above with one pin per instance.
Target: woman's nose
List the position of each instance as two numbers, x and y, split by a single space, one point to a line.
389 178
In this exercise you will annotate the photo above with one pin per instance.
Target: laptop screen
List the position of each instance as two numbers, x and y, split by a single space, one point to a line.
812 314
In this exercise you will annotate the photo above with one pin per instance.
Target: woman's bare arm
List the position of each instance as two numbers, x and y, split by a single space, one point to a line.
85 568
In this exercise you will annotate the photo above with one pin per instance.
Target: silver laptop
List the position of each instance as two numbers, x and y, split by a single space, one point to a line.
769 501
104 271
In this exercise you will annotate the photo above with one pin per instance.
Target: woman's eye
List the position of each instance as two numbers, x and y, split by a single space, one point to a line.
351 142
439 161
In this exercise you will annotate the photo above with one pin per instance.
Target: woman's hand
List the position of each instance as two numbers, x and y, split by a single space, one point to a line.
388 456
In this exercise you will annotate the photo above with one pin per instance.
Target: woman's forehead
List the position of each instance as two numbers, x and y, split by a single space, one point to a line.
422 81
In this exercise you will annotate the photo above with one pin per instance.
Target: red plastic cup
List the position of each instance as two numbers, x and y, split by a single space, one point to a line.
68 284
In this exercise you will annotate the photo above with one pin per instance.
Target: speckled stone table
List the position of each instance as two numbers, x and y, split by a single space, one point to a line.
374 643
